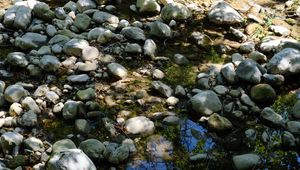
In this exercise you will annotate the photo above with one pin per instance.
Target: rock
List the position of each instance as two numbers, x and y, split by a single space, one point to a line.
87 94
11 142
171 120
18 17
52 97
75 47
69 160
15 109
81 78
101 2
159 148
296 110
42 11
51 30
180 59
201 39
294 127
117 70
59 40
237 58
49 63
133 48
83 5
250 134
158 74
41 90
28 119
90 54
222 13
247 47
150 48
100 34
133 33
14 93
87 66
148 6
288 139
206 103
34 144
17 59
63 145
30 104
2 86
82 21
139 125
247 70
258 57
179 91
82 126
70 110
273 79
239 35
247 101
229 73
219 123
285 62
93 148
70 6
273 44
30 41
119 155
104 17
164 89
280 30
160 30
246 161
263 93
269 115
175 11
221 90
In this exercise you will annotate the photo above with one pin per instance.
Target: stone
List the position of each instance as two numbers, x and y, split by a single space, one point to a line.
172 101
150 48
17 59
119 155
14 93
180 59
81 78
221 90
70 6
11 142
83 5
247 70
70 110
30 41
51 30
160 30
247 101
250 134
247 47
100 34
90 54
271 117
206 103
280 30
86 94
18 17
273 79
30 104
93 148
229 73
148 6
105 17
133 48
219 123
69 160
41 90
171 120
246 161
87 66
82 21
158 74
285 62
258 57
263 93
273 44
201 39
237 58
293 127
52 97
117 70
162 88
133 33
34 144
63 145
288 139
49 63
2 86
74 47
139 125
296 110
175 11
15 109
82 126
28 119
179 91
222 13
59 40
42 10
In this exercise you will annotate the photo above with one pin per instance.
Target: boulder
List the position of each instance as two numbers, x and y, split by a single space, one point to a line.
219 123
93 148
148 6
246 161
75 47
270 116
42 11
11 142
105 17
139 125
14 93
263 93
30 41
117 70
164 89
17 17
175 11
49 63
160 30
133 33
247 70
17 59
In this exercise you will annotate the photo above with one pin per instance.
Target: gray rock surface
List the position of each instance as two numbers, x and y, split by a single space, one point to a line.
175 11
139 125
246 161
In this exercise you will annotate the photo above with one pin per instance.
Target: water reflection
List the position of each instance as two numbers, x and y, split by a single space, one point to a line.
149 165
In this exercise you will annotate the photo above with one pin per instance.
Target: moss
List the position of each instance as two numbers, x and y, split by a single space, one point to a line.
180 75
284 102
213 56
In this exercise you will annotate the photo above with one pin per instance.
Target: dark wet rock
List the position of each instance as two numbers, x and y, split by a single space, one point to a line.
263 93
81 78
201 39
30 41
75 47
28 119
296 110
180 59
247 100
246 161
229 73
119 155
247 70
179 91
93 148
70 159
11 142
82 21
86 94
258 57
270 116
150 48
285 62
42 10
14 93
30 104
221 90
294 127
160 30
104 17
82 126
63 145
59 40
17 59
18 17
70 110
222 13
133 48
288 139
117 70
219 123
133 33
273 79
83 5
206 103
164 89
139 125
34 144
175 11
49 63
